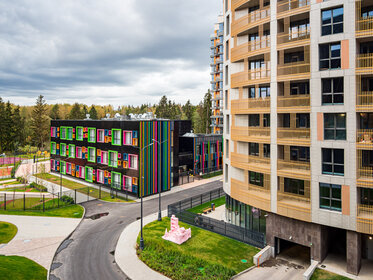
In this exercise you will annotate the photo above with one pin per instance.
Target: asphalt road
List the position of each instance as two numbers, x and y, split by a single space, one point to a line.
89 253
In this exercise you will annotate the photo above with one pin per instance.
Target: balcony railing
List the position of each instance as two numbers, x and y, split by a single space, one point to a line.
244 106
294 206
364 219
253 163
364 101
364 138
364 27
250 77
254 134
295 70
250 20
290 7
293 39
294 169
364 63
289 136
293 103
250 48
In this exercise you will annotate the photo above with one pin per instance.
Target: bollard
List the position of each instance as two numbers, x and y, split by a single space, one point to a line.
24 202
75 195
43 203
4 201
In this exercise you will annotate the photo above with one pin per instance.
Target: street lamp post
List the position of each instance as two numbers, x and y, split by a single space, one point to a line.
159 179
142 238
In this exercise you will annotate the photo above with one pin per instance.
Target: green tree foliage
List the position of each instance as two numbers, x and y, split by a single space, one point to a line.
93 113
40 123
167 109
84 112
75 112
201 120
188 110
18 127
8 127
2 125
55 112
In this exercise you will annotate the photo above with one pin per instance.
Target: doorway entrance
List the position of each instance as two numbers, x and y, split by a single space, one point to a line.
293 252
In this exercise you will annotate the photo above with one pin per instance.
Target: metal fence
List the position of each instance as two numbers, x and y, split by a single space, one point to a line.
180 208
186 177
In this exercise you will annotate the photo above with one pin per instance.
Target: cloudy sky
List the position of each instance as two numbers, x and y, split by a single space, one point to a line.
105 52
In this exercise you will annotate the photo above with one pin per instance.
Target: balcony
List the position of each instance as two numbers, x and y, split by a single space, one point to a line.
250 77
238 3
294 206
251 20
293 39
293 71
364 101
252 163
364 176
249 49
288 8
364 25
364 219
259 197
293 103
364 63
251 134
294 136
364 139
294 169
251 105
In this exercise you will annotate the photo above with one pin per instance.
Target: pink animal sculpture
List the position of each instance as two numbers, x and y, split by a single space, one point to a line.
177 234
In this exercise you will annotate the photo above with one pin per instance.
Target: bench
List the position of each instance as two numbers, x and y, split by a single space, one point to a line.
207 210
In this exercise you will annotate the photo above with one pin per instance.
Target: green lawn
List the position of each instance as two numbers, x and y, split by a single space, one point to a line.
73 211
321 274
93 192
21 268
212 174
7 232
19 189
11 183
206 255
198 209
6 179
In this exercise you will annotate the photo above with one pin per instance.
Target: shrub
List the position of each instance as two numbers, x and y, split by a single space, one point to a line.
67 199
14 169
22 180
38 187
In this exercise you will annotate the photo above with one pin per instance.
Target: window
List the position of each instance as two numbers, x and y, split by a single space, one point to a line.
53 148
100 135
116 137
254 120
89 174
63 149
227 124
332 91
127 137
299 28
252 92
227 25
116 182
293 57
266 120
267 150
104 157
264 92
302 120
330 56
63 167
82 172
100 176
366 196
71 151
226 152
68 167
226 74
367 12
92 135
285 120
256 178
298 153
91 154
333 161
53 131
133 161
330 197
79 133
332 21
335 126
256 65
227 50
113 159
299 88
294 186
127 183
254 149
69 133
63 133
79 153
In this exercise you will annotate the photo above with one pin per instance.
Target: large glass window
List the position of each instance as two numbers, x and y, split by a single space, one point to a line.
293 57
332 21
330 197
92 135
332 91
294 186
298 88
333 161
79 153
79 133
100 135
100 176
267 150
113 159
104 157
63 133
127 183
91 154
266 120
71 151
302 120
335 126
133 161
69 133
298 153
116 180
116 137
254 149
88 174
127 137
330 56
63 149
254 120
53 148
366 196
256 178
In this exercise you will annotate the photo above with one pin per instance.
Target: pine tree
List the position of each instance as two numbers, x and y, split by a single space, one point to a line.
93 113
162 108
8 127
75 113
84 112
188 110
18 127
206 114
55 112
40 123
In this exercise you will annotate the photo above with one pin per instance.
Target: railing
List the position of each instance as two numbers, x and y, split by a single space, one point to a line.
364 26
284 38
365 171
293 135
294 169
294 206
364 219
292 5
364 100
251 133
255 47
250 20
253 104
255 163
250 76
364 62
294 102
295 68
364 138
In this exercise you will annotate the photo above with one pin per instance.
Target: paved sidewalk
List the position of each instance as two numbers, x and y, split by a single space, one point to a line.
125 252
38 237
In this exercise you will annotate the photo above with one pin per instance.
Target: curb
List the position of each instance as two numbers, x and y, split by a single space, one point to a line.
243 272
67 237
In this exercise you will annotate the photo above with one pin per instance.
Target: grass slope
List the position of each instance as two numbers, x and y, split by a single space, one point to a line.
321 274
7 232
206 255
21 268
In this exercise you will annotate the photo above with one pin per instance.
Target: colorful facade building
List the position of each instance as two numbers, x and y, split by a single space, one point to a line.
217 53
298 129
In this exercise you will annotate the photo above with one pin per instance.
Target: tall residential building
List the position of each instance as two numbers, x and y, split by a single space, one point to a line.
298 124
217 58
